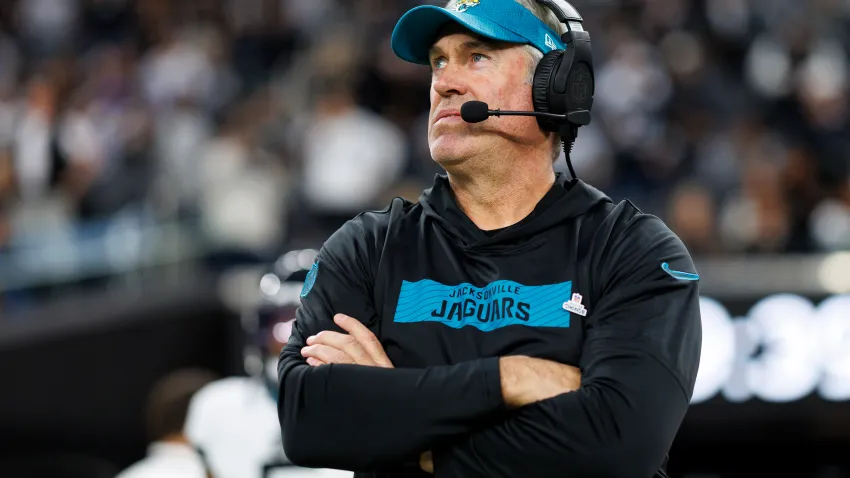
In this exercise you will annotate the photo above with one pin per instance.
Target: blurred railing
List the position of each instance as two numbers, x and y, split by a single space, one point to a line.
97 249
748 276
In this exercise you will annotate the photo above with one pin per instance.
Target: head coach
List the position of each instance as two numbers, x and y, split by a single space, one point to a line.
512 322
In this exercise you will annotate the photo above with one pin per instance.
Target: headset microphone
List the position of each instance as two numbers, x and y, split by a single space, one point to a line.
478 111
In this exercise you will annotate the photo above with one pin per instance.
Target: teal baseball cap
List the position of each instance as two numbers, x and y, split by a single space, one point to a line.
503 20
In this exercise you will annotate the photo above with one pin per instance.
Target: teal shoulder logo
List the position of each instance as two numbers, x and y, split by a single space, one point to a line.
310 280
679 274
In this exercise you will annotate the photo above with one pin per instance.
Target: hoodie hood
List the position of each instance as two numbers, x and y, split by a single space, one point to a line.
564 201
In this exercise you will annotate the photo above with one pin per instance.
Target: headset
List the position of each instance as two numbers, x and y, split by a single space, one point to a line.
564 80
563 85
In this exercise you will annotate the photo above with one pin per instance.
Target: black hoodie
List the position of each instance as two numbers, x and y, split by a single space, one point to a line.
581 281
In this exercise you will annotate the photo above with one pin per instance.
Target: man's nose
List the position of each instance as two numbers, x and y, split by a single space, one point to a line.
450 81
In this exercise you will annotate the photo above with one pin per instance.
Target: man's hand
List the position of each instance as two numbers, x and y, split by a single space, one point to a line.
527 380
359 346
426 462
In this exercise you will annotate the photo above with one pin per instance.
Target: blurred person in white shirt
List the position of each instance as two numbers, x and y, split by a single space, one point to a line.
344 171
244 185
170 454
180 136
45 180
234 420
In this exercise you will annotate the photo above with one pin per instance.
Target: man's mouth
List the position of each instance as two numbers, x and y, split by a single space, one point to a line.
448 115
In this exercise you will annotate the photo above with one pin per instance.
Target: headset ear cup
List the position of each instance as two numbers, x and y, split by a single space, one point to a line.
540 93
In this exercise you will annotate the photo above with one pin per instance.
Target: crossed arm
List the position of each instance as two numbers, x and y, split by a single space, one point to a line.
621 424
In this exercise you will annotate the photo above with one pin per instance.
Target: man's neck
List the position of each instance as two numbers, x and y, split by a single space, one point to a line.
501 198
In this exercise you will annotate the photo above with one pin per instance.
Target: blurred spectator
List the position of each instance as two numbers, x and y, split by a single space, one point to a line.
182 133
757 219
48 27
830 221
45 178
7 180
183 68
244 184
351 155
691 215
170 455
38 161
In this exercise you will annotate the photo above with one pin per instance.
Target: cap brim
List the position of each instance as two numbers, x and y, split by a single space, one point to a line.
416 31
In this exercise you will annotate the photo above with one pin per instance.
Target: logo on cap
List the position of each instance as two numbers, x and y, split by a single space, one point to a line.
464 5
550 42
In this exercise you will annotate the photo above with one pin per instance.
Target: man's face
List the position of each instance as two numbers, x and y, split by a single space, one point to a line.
467 67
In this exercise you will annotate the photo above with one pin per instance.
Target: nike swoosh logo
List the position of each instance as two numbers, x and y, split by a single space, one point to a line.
679 274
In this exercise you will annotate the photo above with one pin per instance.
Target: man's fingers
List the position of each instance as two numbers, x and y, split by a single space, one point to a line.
359 346
315 362
426 462
326 354
344 343
366 338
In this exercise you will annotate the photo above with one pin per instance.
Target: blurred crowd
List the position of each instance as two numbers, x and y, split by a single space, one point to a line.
267 123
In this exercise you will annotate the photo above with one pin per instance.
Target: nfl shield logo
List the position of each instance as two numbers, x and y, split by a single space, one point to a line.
574 305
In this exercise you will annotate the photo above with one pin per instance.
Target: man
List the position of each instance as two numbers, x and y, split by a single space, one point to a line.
447 336
170 454
232 420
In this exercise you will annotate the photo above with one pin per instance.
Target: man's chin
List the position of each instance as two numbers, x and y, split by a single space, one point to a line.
452 149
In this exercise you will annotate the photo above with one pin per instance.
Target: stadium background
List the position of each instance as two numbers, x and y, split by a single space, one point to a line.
155 156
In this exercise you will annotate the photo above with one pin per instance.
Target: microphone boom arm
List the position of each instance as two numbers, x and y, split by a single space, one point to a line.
552 116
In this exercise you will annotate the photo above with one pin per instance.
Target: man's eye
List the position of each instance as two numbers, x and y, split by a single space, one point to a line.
439 63
476 57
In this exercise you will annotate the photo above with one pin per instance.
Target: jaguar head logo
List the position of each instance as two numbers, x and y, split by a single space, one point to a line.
464 5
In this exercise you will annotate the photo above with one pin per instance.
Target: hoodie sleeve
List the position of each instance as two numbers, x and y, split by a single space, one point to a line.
639 364
362 418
